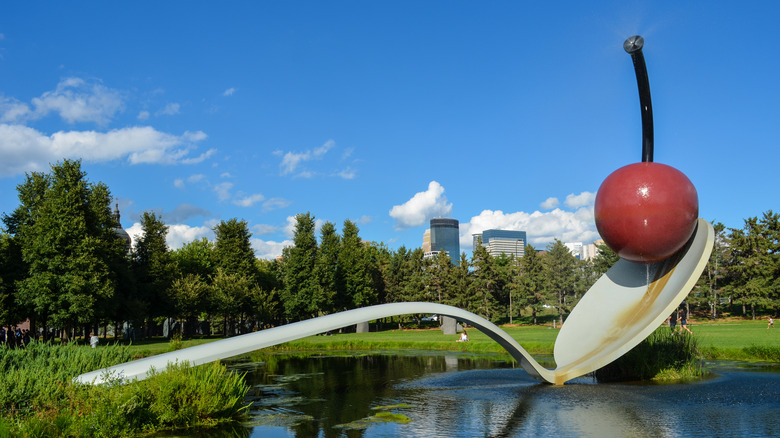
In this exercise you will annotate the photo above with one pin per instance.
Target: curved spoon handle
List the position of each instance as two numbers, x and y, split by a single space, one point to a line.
204 353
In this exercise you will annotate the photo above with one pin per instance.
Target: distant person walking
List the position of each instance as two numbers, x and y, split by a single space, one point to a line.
684 321
672 320
771 323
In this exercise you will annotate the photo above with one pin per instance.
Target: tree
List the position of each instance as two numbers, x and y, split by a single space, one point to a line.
326 269
356 286
188 294
233 249
709 288
560 276
196 257
530 283
155 268
754 266
484 285
300 283
65 232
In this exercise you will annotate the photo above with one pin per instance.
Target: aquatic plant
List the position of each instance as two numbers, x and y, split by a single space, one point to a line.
662 356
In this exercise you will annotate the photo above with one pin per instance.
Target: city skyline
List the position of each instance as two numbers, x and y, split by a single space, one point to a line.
389 114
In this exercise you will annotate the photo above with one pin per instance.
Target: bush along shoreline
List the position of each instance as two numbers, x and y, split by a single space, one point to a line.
662 356
38 397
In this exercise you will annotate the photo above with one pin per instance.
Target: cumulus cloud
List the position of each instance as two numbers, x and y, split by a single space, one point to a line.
581 200
74 100
422 207
549 203
248 201
267 249
229 92
541 227
291 160
178 234
143 115
25 149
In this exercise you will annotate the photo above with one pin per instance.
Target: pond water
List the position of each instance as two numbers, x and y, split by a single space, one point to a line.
424 394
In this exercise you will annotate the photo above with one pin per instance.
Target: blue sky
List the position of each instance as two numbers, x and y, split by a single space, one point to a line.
499 114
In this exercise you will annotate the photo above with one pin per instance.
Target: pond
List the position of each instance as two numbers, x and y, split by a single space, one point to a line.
425 394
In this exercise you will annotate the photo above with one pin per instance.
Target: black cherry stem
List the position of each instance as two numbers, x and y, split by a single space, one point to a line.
633 45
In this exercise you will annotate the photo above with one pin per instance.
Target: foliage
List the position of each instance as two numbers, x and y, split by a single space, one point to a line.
662 355
560 268
39 399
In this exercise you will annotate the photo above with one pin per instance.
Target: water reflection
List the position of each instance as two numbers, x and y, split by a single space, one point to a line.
448 395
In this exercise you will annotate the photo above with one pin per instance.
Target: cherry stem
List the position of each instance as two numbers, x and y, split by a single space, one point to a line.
633 46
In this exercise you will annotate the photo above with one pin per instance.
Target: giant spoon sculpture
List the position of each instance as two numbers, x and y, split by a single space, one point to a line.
646 212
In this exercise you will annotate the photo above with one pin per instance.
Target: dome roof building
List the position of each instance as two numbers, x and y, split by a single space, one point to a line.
119 231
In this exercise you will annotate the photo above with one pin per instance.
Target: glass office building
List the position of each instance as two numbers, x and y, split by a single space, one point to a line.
445 236
502 242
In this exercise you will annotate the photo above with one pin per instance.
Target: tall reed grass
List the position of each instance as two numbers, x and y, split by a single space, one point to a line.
662 356
38 396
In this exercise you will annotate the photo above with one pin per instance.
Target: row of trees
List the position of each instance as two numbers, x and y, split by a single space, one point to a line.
63 266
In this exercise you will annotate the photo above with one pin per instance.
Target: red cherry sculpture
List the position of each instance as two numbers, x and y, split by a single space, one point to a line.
646 211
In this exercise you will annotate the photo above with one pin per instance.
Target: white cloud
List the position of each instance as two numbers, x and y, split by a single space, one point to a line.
291 160
229 92
275 204
77 100
289 226
178 183
581 200
347 173
12 110
169 110
178 234
249 201
422 207
143 115
25 149
550 203
540 227
267 249
200 158
223 190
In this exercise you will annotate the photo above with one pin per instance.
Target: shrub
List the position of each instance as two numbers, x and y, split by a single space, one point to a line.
662 356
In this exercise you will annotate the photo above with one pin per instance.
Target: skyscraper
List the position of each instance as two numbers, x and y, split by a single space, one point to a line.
445 236
502 242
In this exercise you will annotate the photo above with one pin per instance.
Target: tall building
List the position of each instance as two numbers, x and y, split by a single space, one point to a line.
509 242
445 236
427 241
575 248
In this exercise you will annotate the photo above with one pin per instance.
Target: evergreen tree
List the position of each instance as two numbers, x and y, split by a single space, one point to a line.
530 284
461 284
356 286
440 278
561 276
326 269
188 295
485 284
65 232
300 283
155 269
233 249
753 272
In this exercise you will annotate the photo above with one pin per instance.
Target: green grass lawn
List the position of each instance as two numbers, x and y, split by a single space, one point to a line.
718 340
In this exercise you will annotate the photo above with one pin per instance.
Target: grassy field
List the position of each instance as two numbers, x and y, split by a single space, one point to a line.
735 340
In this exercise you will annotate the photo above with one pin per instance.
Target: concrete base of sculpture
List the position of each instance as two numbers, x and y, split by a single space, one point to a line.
449 326
621 309
361 327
